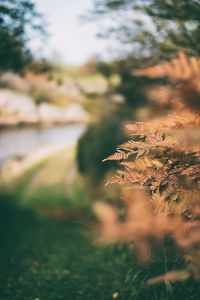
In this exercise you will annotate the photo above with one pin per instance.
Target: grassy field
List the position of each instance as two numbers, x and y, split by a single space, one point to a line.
41 258
49 249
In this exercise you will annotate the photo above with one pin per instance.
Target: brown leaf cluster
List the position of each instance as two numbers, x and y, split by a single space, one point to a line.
181 68
160 166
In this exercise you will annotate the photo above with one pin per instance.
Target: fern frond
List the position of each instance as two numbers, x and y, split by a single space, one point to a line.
180 68
116 179
166 165
119 155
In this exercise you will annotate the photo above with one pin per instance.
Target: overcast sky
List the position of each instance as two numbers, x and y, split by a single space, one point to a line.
71 42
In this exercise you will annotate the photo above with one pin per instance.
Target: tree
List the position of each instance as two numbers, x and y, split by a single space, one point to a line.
153 28
18 18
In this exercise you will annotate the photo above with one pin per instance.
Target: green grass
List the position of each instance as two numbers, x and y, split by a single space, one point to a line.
54 255
41 258
72 72
46 259
52 182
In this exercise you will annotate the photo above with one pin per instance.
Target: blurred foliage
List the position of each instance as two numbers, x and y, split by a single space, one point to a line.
119 103
41 66
18 19
89 67
151 28
47 262
40 94
40 97
160 168
12 53
147 32
97 142
51 187
131 87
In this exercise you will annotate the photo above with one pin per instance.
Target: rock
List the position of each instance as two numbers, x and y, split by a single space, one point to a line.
75 113
16 107
15 81
49 113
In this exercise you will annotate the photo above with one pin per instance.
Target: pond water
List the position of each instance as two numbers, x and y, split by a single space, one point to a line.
20 141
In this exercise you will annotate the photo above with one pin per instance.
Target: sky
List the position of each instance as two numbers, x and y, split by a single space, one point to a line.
71 41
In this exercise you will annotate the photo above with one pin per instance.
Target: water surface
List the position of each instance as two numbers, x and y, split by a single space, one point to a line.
21 141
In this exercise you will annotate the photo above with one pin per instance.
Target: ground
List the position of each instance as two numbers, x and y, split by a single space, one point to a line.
49 248
47 259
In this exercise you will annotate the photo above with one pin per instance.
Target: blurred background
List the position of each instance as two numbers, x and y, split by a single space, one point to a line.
68 83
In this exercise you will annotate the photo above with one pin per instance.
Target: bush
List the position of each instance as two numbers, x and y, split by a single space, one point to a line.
40 66
99 140
161 169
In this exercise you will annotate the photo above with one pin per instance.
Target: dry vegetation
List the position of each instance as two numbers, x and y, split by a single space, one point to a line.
160 171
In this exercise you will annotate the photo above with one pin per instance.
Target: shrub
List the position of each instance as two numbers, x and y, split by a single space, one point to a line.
98 141
161 172
41 66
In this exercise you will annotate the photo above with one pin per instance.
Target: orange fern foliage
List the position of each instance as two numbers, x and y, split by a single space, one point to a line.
180 68
160 167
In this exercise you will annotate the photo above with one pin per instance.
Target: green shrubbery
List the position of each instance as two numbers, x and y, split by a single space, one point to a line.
99 141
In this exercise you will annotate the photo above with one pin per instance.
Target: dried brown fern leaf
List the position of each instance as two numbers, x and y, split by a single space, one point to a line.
143 148
119 155
178 119
142 163
131 176
127 176
187 136
165 136
184 74
116 179
164 161
180 68
159 204
142 226
138 128
173 276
